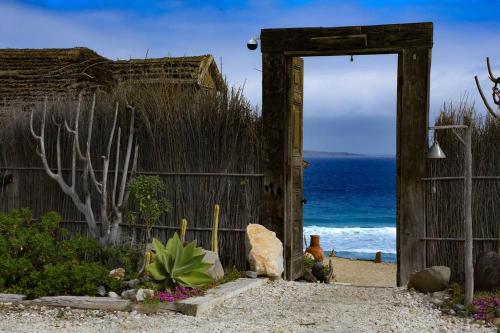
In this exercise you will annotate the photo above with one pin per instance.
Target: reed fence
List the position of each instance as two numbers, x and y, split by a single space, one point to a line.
205 146
443 190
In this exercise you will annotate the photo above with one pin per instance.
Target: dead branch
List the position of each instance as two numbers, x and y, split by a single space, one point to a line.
109 231
495 93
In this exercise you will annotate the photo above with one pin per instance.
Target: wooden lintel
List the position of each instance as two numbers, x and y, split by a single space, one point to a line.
379 38
341 41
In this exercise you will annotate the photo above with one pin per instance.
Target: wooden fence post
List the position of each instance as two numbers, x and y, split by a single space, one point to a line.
469 268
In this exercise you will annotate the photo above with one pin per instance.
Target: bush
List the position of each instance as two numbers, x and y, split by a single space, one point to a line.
36 261
146 192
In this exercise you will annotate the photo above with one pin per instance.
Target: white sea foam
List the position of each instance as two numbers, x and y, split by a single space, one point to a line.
362 240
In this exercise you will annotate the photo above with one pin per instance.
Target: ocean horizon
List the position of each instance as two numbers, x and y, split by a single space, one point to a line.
351 204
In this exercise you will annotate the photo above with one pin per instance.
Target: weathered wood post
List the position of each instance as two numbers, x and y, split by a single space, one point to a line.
468 263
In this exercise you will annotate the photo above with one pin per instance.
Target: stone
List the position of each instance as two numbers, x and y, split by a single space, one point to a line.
101 291
487 271
378 257
264 251
429 280
129 294
113 294
117 273
496 322
144 294
318 270
440 294
308 276
216 271
437 302
250 274
133 283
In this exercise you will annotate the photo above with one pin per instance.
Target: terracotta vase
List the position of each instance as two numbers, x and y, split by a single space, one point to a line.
315 249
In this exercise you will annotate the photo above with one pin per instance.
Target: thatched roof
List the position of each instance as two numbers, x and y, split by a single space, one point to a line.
29 75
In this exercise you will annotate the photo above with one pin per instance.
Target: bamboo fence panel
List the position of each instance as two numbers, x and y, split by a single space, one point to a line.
444 197
206 148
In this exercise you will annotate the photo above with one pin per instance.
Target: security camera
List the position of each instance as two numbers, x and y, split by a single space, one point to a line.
252 43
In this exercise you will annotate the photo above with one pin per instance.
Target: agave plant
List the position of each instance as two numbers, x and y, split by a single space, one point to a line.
176 264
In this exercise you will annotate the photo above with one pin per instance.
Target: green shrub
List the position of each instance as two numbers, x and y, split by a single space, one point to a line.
34 260
145 192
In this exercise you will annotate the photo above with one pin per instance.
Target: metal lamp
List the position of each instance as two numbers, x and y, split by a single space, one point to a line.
435 151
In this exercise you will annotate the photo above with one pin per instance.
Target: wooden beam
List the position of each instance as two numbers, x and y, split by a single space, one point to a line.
378 38
413 108
275 122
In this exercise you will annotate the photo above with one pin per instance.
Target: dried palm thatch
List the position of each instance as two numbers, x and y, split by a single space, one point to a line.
28 76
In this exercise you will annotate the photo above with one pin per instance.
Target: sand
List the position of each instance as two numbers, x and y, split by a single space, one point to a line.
364 273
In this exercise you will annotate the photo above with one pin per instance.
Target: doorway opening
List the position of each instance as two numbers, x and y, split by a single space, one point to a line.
282 101
349 184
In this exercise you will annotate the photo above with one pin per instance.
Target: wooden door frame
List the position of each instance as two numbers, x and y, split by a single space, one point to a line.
413 44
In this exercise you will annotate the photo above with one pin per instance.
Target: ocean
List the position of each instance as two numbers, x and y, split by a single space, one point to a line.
351 204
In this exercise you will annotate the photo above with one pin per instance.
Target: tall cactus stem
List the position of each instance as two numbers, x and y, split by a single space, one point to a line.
215 229
184 225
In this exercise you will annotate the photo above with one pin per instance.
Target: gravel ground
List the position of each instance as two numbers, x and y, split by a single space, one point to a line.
276 307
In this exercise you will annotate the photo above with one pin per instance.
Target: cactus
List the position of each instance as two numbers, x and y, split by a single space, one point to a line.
215 229
184 224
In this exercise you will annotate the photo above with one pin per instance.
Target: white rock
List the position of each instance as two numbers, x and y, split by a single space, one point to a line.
113 294
264 251
143 294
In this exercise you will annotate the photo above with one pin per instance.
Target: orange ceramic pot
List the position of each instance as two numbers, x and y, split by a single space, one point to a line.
315 249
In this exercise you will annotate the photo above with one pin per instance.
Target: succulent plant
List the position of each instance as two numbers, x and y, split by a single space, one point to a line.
175 264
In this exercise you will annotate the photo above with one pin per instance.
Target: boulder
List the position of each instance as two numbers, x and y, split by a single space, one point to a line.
487 271
432 279
264 251
216 271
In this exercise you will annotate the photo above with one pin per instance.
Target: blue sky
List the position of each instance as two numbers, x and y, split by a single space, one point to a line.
348 106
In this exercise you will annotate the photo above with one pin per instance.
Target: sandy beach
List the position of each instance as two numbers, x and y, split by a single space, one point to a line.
364 273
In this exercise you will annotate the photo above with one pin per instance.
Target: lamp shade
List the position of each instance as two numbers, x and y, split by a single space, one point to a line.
435 151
